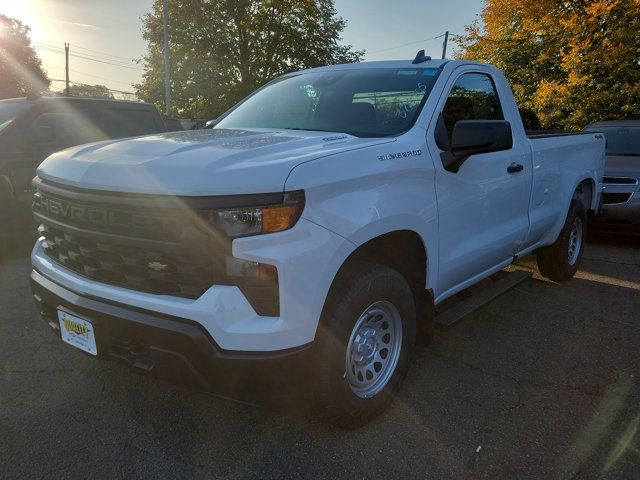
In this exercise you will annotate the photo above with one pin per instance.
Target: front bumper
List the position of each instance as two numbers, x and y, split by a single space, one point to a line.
171 348
627 213
306 257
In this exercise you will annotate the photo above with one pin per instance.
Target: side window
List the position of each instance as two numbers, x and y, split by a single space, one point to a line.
472 97
123 122
64 128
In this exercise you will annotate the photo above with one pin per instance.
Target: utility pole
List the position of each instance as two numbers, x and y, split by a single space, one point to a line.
167 80
444 45
66 68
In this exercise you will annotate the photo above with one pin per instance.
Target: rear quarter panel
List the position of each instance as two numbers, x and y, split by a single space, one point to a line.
560 164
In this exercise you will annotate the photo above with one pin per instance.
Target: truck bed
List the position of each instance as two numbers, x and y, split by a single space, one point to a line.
533 134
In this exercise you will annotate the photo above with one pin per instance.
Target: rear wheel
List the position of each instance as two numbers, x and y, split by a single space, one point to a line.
365 344
559 262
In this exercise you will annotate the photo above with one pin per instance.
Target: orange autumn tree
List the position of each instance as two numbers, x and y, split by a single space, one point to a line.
572 62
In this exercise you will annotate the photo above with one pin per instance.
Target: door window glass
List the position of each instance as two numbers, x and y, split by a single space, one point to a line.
472 97
64 129
122 122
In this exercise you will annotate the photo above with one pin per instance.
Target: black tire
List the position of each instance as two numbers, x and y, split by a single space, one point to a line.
355 291
554 261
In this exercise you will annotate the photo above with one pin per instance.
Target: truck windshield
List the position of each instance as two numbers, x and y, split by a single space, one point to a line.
621 140
364 103
9 111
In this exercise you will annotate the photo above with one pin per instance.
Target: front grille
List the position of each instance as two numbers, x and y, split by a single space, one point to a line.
171 272
620 180
613 198
155 244
148 244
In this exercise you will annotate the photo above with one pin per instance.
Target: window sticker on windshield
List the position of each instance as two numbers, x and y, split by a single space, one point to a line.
407 72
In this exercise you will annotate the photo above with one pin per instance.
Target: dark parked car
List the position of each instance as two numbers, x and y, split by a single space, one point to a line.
173 124
33 129
621 193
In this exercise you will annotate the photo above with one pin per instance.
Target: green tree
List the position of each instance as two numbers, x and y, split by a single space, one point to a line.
221 50
83 90
21 70
571 61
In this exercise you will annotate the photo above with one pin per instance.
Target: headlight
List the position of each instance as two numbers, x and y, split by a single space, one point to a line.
245 221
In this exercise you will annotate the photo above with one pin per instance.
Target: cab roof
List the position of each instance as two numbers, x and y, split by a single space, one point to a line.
70 98
391 64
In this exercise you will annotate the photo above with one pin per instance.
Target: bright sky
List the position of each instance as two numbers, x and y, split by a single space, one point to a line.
106 36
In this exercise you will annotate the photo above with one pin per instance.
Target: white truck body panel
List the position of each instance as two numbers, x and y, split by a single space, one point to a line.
196 162
472 223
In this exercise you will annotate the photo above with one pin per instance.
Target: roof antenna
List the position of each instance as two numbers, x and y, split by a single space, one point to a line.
421 57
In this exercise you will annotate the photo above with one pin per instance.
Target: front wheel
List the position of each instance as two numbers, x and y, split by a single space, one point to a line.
560 261
365 344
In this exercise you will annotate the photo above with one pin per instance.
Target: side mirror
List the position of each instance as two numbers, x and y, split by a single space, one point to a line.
44 134
472 137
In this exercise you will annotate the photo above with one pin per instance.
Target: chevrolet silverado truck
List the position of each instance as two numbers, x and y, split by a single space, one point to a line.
309 234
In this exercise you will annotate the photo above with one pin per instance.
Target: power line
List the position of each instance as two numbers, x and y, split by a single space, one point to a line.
406 44
102 55
107 63
91 58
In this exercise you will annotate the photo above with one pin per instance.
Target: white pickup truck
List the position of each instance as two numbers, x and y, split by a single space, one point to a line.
311 232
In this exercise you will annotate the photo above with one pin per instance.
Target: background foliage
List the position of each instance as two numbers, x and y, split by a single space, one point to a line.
571 61
221 50
84 90
21 70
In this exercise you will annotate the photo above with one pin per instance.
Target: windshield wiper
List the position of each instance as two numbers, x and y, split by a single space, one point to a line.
368 134
353 134
310 130
625 154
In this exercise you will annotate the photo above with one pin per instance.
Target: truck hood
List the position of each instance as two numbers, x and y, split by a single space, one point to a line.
196 163
622 166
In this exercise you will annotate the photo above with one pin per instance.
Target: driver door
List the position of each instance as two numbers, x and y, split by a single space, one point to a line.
483 206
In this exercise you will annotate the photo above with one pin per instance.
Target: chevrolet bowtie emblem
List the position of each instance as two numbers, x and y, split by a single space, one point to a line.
157 266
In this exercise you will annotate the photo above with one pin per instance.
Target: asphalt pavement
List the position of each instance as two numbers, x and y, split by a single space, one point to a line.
543 382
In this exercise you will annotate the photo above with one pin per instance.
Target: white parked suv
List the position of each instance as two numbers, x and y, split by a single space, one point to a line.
310 232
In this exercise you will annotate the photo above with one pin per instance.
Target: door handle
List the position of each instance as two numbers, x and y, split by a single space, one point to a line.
515 168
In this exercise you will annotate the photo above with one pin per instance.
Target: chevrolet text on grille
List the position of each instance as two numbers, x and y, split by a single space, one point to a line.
96 216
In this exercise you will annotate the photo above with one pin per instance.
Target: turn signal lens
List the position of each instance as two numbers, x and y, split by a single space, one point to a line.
277 219
245 221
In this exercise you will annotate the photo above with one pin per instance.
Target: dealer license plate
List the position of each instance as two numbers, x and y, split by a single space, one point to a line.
77 332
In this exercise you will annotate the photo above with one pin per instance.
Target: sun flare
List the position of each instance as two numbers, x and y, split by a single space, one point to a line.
26 12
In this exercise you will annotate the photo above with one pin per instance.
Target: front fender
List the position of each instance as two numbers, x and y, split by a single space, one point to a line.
361 198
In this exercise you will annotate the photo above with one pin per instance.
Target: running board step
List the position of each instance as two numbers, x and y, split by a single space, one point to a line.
457 312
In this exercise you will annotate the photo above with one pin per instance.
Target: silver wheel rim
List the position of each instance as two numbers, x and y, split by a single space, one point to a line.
575 241
374 349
